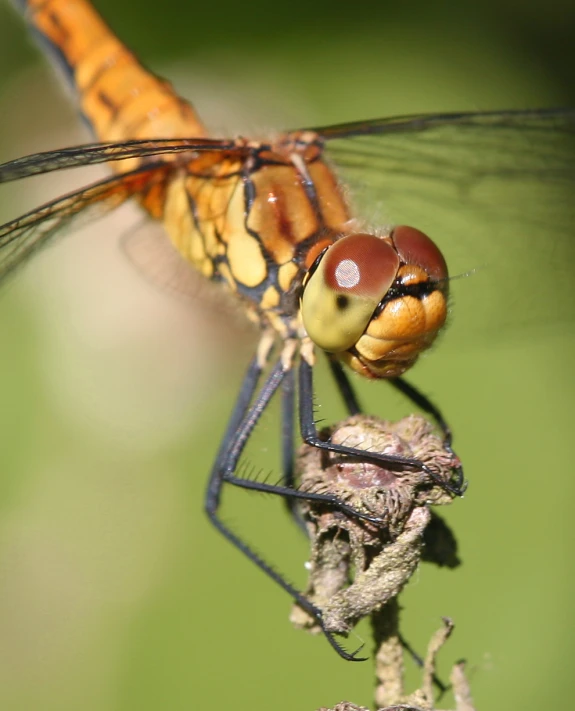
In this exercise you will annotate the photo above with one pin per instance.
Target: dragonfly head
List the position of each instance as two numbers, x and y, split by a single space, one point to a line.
377 302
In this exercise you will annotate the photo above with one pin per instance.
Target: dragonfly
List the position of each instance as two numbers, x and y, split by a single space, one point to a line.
277 223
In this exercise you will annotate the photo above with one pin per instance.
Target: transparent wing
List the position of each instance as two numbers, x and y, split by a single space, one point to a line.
495 190
20 238
92 153
154 257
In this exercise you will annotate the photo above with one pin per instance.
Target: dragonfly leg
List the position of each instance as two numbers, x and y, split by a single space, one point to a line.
425 404
287 431
351 402
295 594
410 391
248 388
288 462
287 446
311 436
242 422
344 386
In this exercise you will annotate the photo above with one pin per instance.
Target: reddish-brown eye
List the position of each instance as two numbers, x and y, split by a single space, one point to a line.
415 247
362 265
342 294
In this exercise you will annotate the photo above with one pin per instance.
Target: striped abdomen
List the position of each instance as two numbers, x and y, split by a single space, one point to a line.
119 98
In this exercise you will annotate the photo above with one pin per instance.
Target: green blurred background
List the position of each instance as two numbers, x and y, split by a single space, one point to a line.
114 591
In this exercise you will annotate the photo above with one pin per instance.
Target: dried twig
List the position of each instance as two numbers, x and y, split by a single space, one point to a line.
358 568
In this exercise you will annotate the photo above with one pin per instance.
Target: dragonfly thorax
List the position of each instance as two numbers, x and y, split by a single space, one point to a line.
377 302
256 221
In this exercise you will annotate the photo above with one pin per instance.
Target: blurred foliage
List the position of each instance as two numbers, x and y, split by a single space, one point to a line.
114 591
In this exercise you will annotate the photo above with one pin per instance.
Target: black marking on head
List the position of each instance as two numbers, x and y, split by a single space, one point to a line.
399 290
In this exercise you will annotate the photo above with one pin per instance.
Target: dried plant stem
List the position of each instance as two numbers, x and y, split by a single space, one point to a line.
461 690
358 567
388 654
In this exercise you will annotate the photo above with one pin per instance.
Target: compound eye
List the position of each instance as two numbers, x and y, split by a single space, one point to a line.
415 247
340 297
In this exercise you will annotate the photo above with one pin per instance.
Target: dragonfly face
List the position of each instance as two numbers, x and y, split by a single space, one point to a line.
274 225
377 302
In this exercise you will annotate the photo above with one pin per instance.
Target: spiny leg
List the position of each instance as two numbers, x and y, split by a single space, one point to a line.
344 386
237 436
425 404
248 388
310 435
287 429
244 418
350 399
287 445
410 391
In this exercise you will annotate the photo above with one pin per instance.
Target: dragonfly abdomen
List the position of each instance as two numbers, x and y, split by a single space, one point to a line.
119 98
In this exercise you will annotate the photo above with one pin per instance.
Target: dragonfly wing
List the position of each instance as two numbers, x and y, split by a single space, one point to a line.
93 153
494 190
156 259
20 238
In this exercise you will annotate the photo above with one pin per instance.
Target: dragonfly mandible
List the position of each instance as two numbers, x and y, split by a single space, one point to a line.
273 223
